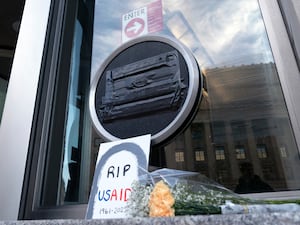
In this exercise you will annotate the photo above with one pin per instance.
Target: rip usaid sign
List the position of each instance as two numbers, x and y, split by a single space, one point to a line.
119 163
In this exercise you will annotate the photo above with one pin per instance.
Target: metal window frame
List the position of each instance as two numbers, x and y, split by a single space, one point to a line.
45 145
15 128
291 14
52 91
285 61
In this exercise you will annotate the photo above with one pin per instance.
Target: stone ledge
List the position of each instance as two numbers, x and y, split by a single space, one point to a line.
249 219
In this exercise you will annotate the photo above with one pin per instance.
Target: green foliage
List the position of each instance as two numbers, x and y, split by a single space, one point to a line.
297 201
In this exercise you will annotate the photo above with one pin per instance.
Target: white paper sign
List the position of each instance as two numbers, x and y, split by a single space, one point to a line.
119 163
138 22
134 24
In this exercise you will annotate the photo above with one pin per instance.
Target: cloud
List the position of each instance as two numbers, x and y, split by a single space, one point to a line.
226 32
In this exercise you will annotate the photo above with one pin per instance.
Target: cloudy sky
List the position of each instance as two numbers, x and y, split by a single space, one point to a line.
220 33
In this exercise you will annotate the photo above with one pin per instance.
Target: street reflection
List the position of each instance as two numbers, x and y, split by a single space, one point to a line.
242 117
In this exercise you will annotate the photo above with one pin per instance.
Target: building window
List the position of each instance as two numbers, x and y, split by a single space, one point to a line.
220 153
199 156
261 151
179 156
218 131
283 152
197 135
179 141
238 129
240 152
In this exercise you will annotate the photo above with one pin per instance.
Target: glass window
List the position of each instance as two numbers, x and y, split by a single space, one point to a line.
239 132
179 156
283 152
72 146
220 153
261 151
200 155
242 103
197 135
240 152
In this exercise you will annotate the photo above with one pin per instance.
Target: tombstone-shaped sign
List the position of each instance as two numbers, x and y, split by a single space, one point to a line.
119 164
150 85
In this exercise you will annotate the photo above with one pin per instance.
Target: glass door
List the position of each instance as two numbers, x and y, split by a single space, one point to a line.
241 135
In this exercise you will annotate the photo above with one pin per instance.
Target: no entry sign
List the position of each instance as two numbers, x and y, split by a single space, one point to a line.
147 19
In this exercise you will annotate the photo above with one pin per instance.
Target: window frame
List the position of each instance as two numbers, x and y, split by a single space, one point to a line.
288 72
60 30
20 105
291 18
280 45
240 152
220 153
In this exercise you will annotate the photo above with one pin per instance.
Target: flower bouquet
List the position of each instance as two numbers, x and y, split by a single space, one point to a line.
168 192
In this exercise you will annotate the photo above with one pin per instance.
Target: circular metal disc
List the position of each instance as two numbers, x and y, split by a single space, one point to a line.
150 85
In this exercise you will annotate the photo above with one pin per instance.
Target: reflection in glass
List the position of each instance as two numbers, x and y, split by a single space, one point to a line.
240 152
72 153
249 182
242 117
261 151
179 156
283 152
199 155
220 153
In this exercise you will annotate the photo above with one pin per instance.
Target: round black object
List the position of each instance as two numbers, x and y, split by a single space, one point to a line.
150 85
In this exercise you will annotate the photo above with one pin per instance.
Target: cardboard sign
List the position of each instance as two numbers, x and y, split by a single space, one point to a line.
119 163
147 19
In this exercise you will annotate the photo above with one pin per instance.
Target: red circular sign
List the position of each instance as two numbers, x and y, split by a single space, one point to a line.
135 27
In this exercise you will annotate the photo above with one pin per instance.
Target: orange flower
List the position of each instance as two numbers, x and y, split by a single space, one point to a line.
161 201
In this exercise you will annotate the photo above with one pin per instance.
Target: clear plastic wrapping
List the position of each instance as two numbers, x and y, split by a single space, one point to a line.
168 192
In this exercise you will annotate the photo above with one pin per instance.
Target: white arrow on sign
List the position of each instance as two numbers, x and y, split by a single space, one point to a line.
135 27
134 24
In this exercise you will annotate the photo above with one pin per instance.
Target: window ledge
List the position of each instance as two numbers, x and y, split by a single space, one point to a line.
269 218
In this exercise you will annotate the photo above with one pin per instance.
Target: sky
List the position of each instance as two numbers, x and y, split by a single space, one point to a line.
219 33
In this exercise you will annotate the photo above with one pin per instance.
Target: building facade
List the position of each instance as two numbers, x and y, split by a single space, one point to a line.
246 123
